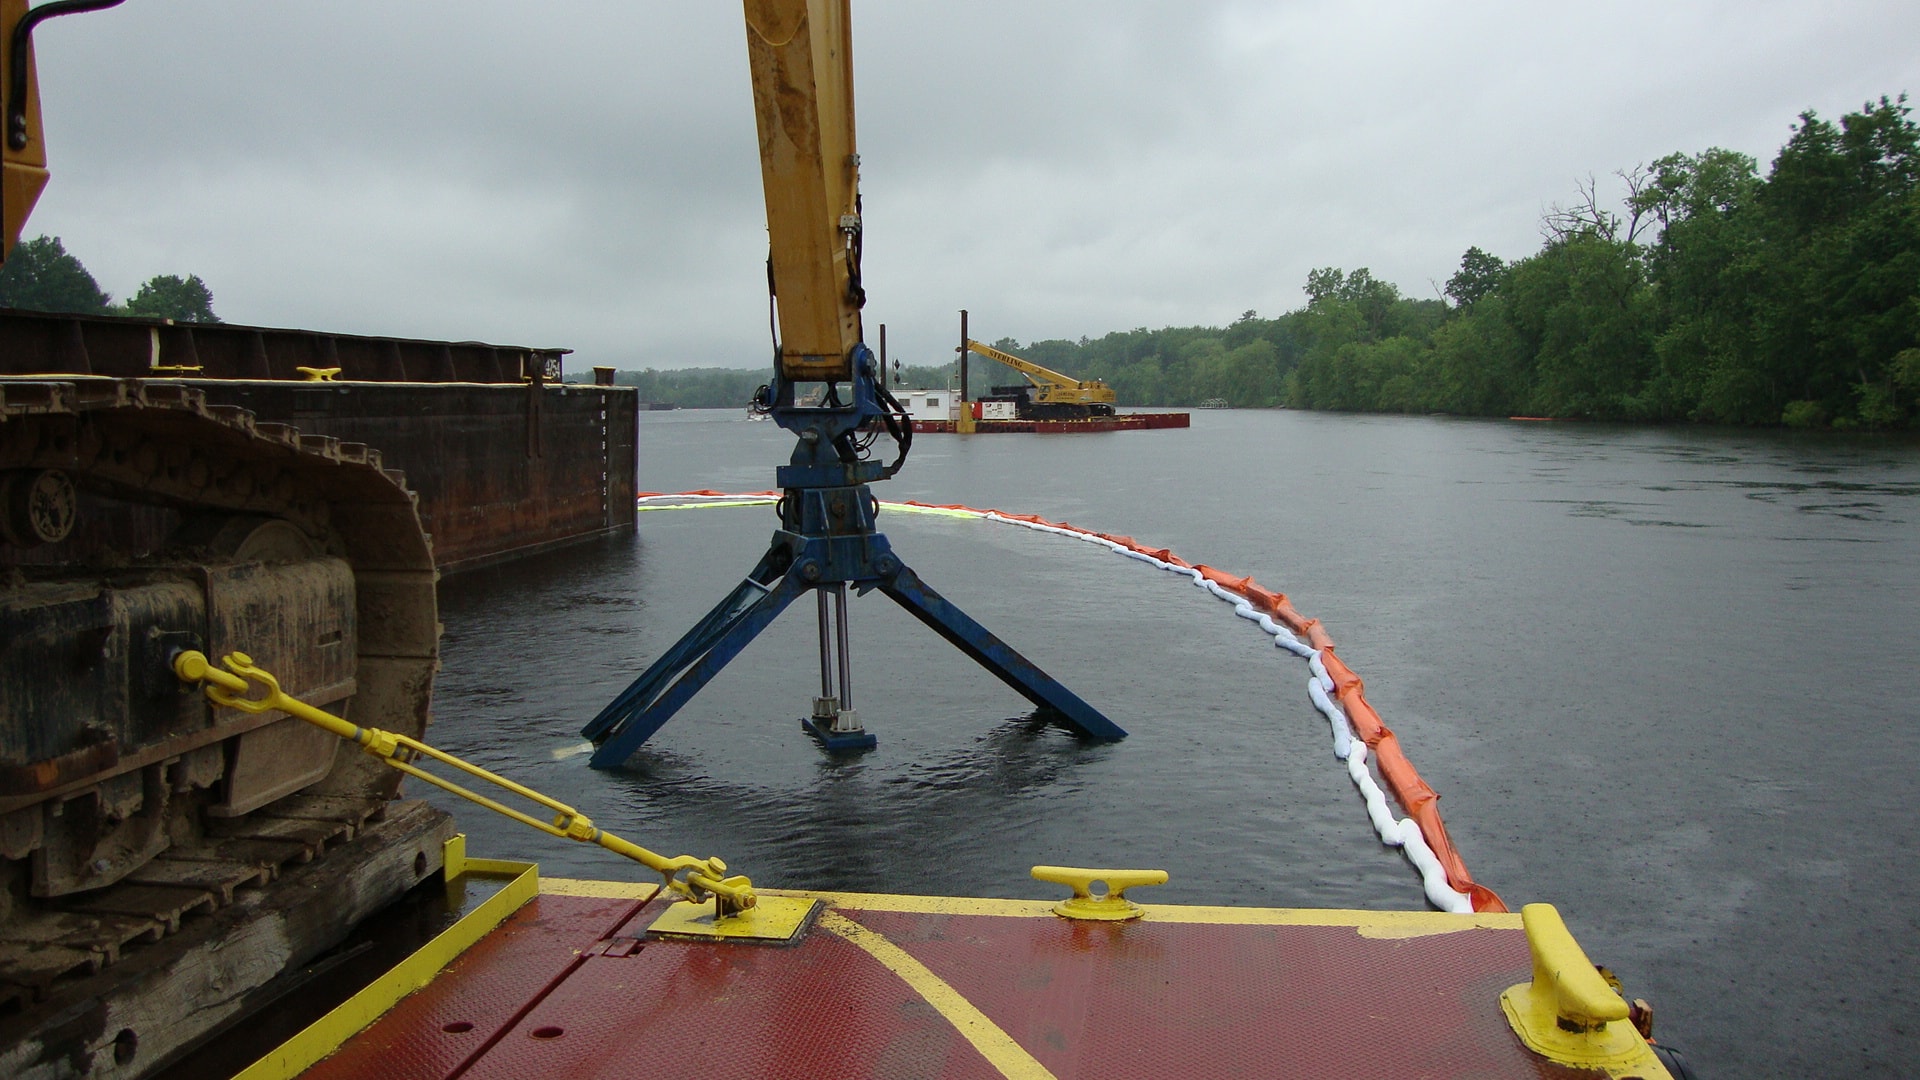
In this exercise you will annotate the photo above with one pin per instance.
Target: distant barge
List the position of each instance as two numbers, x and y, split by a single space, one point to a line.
1121 422
936 411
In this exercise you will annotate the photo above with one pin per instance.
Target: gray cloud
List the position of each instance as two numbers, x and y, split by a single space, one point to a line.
584 174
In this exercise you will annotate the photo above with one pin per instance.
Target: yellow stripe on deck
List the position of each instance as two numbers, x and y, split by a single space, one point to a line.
1369 924
608 890
995 1045
930 905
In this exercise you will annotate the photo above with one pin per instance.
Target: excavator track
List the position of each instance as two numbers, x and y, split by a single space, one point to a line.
137 520
82 935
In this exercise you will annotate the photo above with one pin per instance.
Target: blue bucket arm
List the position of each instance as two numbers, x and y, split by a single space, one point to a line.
746 605
1004 661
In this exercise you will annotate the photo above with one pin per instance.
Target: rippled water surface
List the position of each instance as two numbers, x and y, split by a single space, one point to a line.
1664 679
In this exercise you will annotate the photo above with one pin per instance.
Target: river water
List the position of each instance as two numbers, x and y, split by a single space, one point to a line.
1663 678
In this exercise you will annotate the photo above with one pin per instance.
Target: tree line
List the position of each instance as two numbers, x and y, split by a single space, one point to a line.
40 275
1714 294
1705 292
696 388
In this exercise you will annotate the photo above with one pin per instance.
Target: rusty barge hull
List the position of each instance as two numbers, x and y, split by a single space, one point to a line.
506 458
502 471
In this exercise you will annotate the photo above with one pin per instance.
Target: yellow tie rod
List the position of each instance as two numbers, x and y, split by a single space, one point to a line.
690 877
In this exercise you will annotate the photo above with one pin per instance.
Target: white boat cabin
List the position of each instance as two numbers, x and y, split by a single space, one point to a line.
932 404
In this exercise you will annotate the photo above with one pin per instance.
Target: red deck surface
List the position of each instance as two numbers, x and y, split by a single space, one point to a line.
563 991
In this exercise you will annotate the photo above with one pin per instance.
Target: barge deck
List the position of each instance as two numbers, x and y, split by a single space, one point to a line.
574 979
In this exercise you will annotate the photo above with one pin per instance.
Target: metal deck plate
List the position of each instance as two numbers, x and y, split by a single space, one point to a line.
477 999
571 988
771 920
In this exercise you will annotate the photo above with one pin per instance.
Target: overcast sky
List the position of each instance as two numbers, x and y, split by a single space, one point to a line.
583 174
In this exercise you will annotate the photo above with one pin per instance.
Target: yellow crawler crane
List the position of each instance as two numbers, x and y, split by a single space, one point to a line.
1047 394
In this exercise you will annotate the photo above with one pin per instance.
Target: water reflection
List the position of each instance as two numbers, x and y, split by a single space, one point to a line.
856 825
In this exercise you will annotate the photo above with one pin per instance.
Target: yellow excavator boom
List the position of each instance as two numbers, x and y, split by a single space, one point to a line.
23 159
1054 388
800 52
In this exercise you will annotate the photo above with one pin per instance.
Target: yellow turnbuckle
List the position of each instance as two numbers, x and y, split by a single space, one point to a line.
693 878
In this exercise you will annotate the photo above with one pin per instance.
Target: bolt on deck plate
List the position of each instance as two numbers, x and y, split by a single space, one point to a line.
771 920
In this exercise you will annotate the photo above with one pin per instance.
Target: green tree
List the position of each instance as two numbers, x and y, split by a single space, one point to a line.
1360 345
1140 383
1208 368
1254 375
1480 366
166 296
1479 275
1372 298
1683 187
1391 374
1329 323
1826 174
696 388
1703 265
1837 296
1583 307
1324 283
41 276
925 377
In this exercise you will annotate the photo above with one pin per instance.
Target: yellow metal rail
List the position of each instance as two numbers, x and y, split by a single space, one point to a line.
694 878
322 1037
